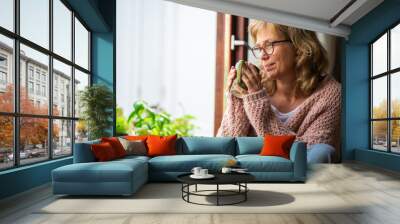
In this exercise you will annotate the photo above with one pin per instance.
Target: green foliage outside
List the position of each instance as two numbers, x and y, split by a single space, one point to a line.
96 102
153 120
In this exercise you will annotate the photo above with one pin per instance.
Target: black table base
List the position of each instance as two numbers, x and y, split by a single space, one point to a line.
241 191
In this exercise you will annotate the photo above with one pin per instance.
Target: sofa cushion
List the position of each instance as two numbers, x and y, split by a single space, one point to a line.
275 145
116 145
132 158
83 152
257 163
249 145
206 145
112 171
185 163
134 147
161 145
103 152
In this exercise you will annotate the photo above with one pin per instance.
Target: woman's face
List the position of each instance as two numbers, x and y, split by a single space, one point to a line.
282 60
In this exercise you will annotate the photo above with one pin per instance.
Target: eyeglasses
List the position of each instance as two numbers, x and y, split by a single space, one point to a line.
266 48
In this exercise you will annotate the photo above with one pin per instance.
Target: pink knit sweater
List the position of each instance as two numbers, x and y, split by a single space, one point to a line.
316 120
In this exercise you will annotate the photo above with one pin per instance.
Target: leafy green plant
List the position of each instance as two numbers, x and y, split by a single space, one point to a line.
122 125
96 102
153 120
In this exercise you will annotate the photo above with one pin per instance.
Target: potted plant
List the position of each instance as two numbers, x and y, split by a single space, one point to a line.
96 102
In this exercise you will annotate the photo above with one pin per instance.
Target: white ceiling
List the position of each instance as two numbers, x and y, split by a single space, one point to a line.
318 15
319 9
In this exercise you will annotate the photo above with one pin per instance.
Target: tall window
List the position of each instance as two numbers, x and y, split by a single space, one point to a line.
385 92
35 54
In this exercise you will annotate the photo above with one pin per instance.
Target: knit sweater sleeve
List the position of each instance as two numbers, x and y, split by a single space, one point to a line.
325 122
234 121
258 110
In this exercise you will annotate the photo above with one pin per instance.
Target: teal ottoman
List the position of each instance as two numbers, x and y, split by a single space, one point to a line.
118 177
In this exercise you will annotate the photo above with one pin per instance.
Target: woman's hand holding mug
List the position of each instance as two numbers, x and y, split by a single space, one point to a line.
244 78
231 79
252 78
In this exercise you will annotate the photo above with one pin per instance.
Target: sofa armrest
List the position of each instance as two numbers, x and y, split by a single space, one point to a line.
83 152
298 155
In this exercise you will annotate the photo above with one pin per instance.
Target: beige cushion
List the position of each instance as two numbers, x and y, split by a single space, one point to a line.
137 147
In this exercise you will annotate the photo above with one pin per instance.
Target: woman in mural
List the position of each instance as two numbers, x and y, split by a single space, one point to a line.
292 94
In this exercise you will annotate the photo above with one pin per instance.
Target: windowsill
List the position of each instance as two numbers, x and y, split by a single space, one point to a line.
381 159
17 169
379 152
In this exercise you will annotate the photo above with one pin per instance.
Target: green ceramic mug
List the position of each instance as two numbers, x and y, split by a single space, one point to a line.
238 82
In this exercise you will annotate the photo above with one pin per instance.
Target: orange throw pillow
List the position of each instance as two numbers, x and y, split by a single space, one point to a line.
135 138
116 145
103 152
161 145
277 145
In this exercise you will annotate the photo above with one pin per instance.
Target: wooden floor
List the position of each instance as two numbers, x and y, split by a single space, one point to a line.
377 188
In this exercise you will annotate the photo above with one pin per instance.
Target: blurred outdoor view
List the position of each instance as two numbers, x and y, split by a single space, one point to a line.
165 68
379 128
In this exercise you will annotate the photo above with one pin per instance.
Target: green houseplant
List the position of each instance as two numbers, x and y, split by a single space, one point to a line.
122 125
153 120
96 102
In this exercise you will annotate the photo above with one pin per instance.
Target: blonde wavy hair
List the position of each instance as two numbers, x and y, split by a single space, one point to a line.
311 62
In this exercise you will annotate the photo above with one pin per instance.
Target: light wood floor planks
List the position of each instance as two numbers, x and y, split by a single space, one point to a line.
377 189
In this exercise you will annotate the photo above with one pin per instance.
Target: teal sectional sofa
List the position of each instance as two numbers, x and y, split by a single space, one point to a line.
125 176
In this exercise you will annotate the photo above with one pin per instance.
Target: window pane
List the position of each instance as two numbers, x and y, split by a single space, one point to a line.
395 94
62 89
81 81
395 47
62 138
81 131
35 21
34 72
6 142
7 14
379 97
6 74
33 139
379 135
81 45
379 55
395 138
62 29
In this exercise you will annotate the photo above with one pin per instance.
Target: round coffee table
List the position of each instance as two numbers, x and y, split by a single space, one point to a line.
238 179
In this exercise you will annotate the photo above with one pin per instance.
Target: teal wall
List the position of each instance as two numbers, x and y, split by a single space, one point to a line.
380 159
356 85
99 16
92 12
24 178
102 58
102 63
103 52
